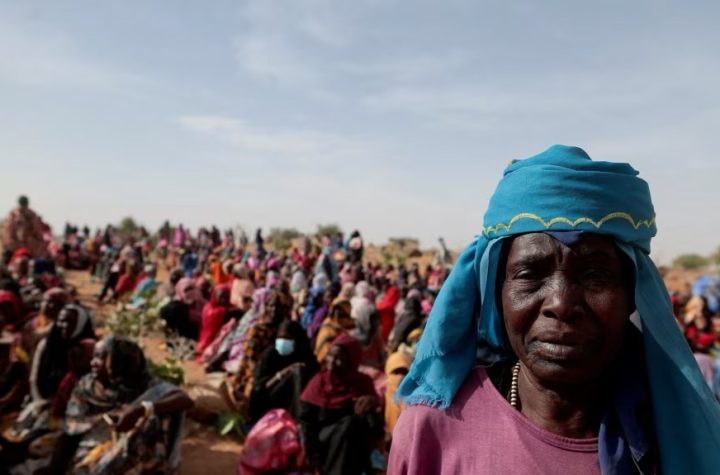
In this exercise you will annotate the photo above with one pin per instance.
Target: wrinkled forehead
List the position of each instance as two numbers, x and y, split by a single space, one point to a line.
578 243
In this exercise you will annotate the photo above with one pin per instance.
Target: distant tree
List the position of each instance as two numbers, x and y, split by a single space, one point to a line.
281 238
328 230
127 227
404 243
690 261
387 256
715 257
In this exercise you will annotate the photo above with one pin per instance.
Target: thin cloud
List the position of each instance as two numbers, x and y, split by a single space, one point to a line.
300 146
32 54
239 133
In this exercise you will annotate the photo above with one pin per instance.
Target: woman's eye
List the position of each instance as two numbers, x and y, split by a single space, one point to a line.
527 274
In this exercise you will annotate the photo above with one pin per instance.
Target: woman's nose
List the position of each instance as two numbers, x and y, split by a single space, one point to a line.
563 299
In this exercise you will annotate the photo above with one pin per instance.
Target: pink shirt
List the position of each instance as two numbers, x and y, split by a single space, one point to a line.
481 433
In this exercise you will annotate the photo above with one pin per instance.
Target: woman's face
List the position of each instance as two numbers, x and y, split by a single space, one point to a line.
66 321
189 293
716 325
283 333
99 362
6 313
22 267
328 296
701 323
276 312
51 305
222 296
565 308
337 360
206 289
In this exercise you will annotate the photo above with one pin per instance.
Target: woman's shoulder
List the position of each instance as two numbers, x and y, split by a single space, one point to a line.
472 397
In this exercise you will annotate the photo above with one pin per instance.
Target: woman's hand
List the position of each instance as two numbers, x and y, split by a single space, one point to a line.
129 417
282 373
365 404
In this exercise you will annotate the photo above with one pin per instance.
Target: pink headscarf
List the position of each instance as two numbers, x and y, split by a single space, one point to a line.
187 291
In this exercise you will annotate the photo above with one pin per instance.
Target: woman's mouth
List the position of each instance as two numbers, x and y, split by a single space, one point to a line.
559 350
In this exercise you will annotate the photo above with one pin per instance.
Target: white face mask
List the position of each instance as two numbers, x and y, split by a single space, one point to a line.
284 346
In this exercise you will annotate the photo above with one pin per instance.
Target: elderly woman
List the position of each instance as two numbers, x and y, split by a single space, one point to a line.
552 347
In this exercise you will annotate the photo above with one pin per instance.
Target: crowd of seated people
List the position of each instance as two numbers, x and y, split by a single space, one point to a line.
316 331
314 340
69 402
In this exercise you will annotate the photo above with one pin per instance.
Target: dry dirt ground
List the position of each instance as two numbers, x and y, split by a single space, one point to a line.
204 451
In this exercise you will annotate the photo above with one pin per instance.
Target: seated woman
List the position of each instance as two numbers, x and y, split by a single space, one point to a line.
53 301
367 333
11 315
339 412
260 337
14 378
215 314
410 319
147 285
182 317
11 311
282 372
127 281
57 362
552 345
339 322
119 418
396 367
37 425
315 311
242 285
166 290
49 364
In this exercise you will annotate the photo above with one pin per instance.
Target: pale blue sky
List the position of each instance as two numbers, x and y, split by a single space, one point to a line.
396 117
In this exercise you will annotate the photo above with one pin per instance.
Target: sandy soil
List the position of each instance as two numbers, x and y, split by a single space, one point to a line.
204 451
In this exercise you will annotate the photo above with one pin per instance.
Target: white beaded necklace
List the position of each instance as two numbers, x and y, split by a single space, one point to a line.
513 396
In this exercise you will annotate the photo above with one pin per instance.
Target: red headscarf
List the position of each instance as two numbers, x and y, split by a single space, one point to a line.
19 253
334 391
13 301
213 318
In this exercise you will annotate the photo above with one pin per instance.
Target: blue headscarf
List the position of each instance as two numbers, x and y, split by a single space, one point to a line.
562 189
